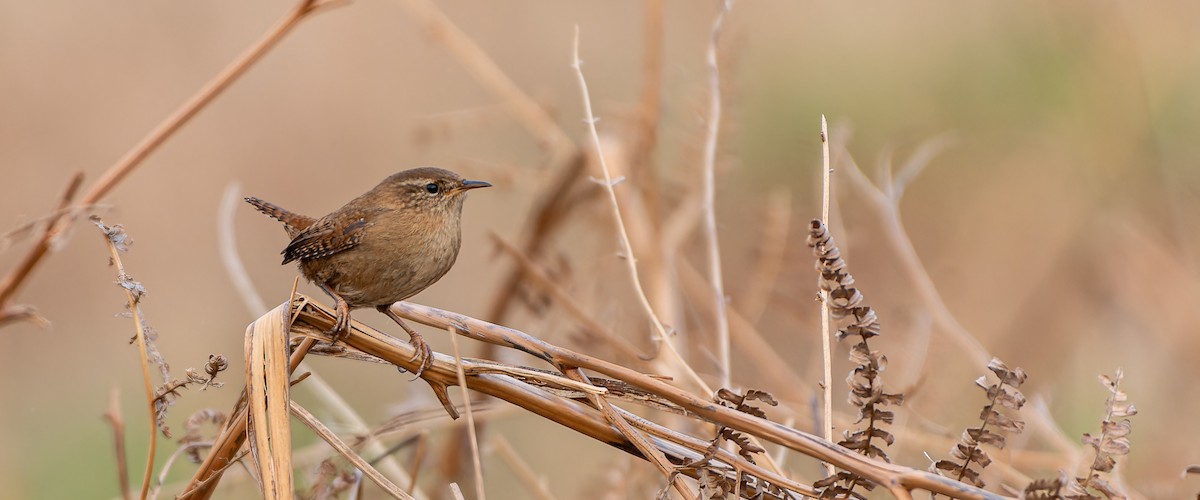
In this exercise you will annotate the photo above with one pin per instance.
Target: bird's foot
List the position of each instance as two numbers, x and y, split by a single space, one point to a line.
341 324
423 354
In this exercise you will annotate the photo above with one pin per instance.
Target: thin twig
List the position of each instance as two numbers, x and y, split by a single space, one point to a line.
144 356
630 261
113 415
466 397
826 350
710 210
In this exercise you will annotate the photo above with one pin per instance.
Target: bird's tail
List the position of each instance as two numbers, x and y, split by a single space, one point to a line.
293 222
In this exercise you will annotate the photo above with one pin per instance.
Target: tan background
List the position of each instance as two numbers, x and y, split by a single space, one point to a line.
1059 226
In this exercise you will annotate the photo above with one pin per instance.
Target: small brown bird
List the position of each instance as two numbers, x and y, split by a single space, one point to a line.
384 246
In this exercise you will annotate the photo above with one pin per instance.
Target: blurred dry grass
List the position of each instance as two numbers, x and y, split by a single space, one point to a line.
1058 226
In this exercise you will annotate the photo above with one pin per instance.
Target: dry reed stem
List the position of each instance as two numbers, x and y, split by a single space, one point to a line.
134 157
630 261
338 445
826 350
267 389
113 416
143 354
466 398
535 486
712 243
236 270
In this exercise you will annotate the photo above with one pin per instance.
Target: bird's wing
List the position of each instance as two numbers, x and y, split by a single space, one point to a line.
293 223
327 236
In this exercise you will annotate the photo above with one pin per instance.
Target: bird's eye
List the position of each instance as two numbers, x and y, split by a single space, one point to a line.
431 188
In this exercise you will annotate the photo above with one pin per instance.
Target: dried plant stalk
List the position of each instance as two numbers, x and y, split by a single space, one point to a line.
267 388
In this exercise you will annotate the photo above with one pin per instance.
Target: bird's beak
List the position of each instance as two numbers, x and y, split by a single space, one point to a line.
466 185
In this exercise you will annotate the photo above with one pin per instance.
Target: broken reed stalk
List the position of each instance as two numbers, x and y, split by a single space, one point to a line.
626 246
712 242
133 296
267 395
134 157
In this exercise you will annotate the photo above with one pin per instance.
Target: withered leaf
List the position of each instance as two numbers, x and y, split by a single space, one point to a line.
763 396
882 434
992 417
1115 429
972 476
985 436
1010 377
1010 398
1123 410
1118 446
946 465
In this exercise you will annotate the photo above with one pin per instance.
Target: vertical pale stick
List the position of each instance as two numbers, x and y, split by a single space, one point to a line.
827 388
710 210
466 396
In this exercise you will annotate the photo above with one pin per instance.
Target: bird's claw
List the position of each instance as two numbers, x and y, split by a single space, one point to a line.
422 355
341 326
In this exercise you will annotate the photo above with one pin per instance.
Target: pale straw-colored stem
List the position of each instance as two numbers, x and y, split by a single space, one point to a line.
626 247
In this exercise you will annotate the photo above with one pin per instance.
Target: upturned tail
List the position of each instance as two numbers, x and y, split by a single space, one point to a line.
293 222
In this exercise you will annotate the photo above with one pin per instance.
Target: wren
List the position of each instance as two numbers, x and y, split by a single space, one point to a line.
382 247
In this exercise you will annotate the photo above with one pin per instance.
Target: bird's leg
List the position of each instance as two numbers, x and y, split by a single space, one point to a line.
341 325
423 355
